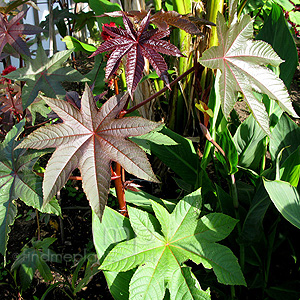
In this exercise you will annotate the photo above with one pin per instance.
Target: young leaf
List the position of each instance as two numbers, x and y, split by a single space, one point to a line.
90 139
33 258
162 245
18 181
137 45
11 32
243 65
45 74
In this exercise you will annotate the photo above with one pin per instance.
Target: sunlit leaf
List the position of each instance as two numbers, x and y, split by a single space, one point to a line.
136 45
164 243
11 32
17 180
243 64
45 74
89 139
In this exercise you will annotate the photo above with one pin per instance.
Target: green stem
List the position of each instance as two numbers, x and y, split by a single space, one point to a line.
213 7
241 7
235 200
232 289
38 225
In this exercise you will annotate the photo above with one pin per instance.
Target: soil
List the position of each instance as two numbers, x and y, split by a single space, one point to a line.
74 237
74 240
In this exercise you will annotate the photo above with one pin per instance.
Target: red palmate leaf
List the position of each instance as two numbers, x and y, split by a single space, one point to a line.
90 139
10 32
137 45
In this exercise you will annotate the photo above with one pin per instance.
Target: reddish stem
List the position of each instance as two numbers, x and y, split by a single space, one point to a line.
118 178
160 92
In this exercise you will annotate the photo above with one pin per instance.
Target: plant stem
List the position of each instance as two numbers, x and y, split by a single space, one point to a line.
233 190
241 7
119 184
192 69
38 225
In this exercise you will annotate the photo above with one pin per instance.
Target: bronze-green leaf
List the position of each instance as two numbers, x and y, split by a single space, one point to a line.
89 139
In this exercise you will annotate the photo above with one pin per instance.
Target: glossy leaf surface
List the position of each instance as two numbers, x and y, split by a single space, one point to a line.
11 32
45 74
243 65
137 45
18 181
164 243
286 199
89 139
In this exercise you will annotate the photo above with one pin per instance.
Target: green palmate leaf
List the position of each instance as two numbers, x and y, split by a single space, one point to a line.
89 139
45 74
286 199
162 245
103 6
18 181
243 65
113 229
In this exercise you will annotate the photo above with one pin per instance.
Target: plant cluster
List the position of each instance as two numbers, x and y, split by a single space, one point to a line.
170 123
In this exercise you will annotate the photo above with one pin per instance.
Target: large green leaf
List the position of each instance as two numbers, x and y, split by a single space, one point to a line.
164 243
290 169
286 199
249 141
18 181
276 32
45 74
113 229
89 139
252 227
154 137
181 158
243 65
286 134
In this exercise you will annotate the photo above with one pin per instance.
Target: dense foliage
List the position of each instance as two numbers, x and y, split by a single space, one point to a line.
174 132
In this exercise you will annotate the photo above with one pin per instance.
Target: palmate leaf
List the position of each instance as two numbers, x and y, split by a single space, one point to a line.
90 139
45 74
10 32
137 45
18 181
243 65
164 243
